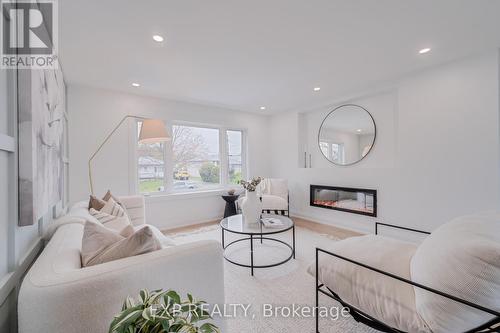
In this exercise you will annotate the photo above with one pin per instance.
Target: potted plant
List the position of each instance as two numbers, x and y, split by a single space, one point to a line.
161 312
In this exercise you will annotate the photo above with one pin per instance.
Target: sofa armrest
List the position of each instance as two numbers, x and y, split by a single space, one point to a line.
87 299
135 208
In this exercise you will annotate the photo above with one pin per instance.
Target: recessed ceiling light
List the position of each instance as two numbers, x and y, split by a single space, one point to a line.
423 51
358 130
158 38
317 88
262 107
135 84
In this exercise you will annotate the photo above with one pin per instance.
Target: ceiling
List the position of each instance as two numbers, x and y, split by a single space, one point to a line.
244 54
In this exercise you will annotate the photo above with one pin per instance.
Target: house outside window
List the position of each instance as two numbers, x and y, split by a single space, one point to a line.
198 158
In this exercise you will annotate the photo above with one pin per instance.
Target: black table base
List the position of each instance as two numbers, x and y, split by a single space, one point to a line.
261 237
230 209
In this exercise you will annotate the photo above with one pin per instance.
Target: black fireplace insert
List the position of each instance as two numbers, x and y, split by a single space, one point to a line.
346 199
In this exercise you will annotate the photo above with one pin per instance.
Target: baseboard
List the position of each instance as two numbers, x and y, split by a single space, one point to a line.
13 279
191 224
329 223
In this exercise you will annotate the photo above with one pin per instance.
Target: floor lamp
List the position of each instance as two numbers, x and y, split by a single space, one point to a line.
152 131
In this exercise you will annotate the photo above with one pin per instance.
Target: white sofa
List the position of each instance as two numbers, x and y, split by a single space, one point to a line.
59 296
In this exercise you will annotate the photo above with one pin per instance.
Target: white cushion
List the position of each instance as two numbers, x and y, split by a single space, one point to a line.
117 223
100 244
164 240
134 207
279 187
96 238
112 207
461 258
387 299
274 186
78 213
274 202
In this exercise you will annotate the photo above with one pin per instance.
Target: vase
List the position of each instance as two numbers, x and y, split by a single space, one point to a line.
251 208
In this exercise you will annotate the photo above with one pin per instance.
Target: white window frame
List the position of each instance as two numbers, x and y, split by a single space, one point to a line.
330 150
168 172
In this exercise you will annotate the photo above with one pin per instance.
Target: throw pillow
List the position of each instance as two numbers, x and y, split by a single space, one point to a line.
96 238
127 231
113 208
460 258
108 196
98 246
96 203
116 223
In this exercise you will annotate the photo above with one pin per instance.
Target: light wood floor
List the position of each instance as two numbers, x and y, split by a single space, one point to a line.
314 226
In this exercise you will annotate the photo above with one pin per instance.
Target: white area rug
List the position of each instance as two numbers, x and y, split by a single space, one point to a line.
283 285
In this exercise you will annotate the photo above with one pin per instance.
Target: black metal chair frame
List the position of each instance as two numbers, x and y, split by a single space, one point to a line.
284 212
366 319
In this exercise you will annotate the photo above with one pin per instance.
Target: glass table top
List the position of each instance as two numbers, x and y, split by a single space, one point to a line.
236 224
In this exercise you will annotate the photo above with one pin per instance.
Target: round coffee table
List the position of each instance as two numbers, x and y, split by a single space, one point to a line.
235 224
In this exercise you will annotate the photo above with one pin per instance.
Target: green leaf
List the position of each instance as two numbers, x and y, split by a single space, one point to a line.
144 295
172 297
126 317
150 315
209 328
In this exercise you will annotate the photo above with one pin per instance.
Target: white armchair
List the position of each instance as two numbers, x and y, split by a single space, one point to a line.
449 283
274 194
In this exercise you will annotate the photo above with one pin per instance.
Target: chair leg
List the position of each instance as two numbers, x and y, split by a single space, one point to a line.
316 308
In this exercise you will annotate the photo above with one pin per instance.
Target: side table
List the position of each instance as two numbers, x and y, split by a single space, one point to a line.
230 200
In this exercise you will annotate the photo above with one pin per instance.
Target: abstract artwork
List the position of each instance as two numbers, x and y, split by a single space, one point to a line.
41 130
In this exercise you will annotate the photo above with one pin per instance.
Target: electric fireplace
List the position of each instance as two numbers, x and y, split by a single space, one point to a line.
346 199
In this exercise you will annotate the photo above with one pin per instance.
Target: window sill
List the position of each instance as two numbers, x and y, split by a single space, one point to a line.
159 197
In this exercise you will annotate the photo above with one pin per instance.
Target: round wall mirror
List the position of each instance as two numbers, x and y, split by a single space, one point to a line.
347 134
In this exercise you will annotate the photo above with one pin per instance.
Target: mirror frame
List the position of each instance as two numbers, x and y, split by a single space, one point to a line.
374 135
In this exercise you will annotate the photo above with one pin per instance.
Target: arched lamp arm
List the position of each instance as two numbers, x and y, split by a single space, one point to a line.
102 145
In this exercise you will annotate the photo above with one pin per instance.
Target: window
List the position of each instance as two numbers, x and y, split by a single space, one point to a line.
150 165
338 152
234 156
198 158
334 151
325 149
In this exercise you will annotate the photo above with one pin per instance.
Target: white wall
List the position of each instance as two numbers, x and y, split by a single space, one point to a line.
18 245
94 112
436 155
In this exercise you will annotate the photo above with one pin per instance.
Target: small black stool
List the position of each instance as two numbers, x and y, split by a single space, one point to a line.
230 200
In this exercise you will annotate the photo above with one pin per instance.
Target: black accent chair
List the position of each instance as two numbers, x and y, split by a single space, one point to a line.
369 319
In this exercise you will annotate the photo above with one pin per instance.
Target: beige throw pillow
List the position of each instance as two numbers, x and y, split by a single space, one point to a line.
116 223
100 245
460 258
113 208
108 196
96 238
96 203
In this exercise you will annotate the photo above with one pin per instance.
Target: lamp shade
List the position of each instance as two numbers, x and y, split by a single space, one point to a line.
153 131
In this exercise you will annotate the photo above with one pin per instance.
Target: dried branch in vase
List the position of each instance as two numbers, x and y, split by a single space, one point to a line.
251 185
